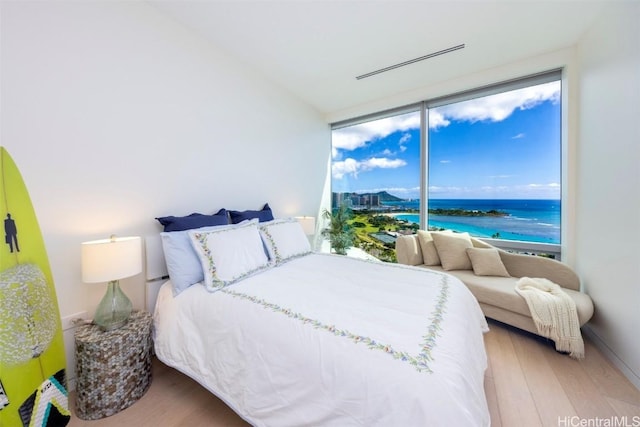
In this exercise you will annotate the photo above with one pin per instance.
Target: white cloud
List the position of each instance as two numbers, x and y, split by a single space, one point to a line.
551 187
383 162
445 161
403 141
357 136
405 138
518 136
529 191
437 119
353 167
494 108
434 189
344 167
396 191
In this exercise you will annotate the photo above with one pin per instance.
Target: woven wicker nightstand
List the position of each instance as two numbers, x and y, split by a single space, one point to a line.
113 367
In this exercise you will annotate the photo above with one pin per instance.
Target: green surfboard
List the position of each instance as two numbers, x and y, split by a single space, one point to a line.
33 390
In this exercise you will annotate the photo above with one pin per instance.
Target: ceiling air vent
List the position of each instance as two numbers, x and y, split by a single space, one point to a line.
411 61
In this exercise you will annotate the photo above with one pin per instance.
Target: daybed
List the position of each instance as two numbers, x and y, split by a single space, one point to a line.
496 293
287 337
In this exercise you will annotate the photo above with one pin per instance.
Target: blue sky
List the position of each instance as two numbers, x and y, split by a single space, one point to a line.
504 146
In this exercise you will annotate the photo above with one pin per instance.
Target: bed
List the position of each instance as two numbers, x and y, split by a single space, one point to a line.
320 339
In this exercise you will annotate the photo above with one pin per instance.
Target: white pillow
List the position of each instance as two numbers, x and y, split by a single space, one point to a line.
229 255
284 239
183 263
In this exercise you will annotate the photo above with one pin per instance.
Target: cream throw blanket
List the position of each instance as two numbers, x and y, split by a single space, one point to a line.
554 314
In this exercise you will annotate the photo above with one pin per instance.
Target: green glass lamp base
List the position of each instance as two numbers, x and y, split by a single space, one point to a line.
114 309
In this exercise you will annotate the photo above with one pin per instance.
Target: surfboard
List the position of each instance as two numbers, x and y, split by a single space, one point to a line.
33 389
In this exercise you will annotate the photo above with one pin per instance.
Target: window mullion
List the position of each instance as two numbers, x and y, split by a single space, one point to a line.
424 166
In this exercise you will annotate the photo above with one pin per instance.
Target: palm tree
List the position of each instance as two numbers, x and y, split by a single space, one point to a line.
339 232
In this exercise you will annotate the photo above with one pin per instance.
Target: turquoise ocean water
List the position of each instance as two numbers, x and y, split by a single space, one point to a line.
526 220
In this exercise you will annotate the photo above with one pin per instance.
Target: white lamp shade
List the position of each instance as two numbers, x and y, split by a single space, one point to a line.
111 259
308 224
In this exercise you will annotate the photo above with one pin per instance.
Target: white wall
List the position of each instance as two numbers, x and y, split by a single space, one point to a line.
116 114
608 220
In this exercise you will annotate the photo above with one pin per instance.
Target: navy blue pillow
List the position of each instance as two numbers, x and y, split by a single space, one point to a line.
195 220
263 215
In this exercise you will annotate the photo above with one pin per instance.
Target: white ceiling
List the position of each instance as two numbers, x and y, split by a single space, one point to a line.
315 49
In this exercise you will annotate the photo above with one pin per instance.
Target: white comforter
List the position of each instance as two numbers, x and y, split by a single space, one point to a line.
326 340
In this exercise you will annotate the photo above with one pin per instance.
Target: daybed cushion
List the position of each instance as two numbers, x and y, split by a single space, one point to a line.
428 248
413 252
500 292
487 262
452 250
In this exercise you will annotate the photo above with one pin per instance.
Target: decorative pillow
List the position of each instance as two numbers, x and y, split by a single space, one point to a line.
195 220
428 247
263 215
182 260
487 262
452 250
230 254
412 250
285 239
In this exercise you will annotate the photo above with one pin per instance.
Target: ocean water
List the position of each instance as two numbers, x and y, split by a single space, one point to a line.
526 220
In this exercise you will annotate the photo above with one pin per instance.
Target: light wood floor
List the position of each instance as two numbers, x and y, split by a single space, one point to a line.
527 384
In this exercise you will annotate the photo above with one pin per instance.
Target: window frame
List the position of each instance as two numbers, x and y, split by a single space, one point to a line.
555 74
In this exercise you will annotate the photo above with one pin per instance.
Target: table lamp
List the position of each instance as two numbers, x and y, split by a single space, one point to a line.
308 224
110 260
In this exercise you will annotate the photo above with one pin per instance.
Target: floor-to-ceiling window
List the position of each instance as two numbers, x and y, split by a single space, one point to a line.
488 162
376 173
494 164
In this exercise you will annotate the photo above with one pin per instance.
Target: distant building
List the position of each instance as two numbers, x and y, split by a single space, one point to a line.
354 200
338 199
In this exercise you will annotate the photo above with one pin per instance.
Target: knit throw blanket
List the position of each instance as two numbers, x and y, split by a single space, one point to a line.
554 314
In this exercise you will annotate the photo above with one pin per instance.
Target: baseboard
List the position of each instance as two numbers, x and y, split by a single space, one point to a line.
609 354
